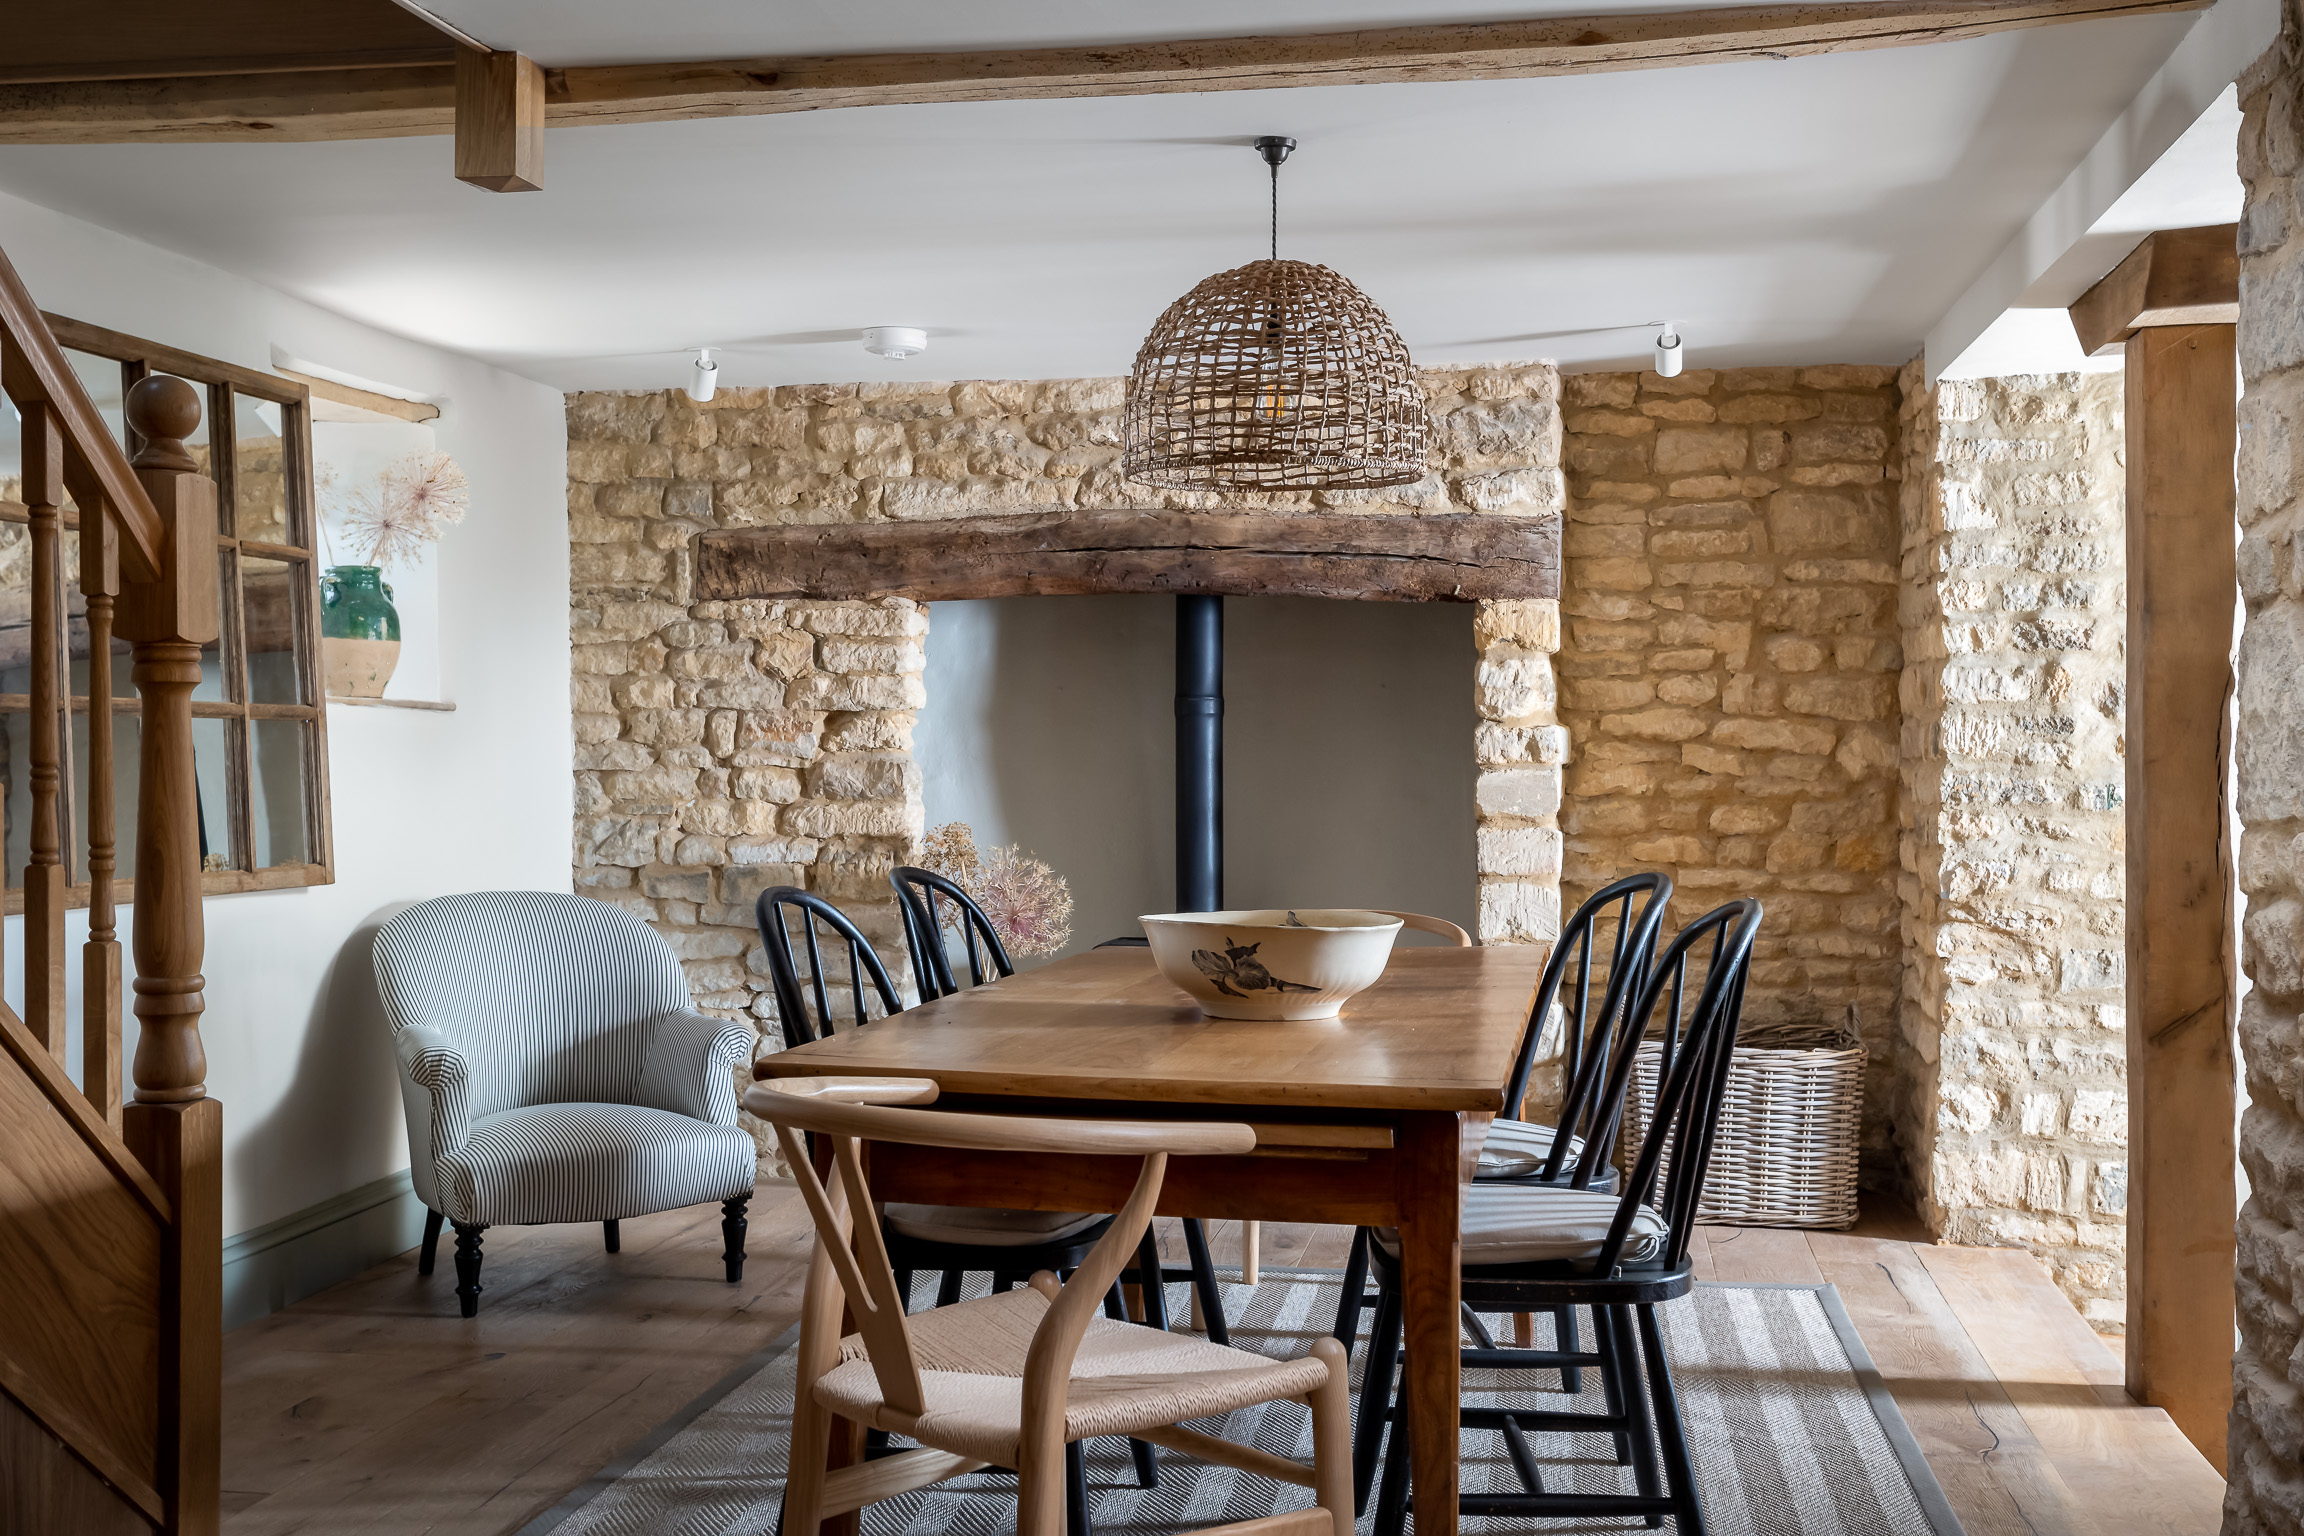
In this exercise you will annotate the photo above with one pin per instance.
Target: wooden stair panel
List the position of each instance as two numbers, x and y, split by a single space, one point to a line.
82 1250
50 1489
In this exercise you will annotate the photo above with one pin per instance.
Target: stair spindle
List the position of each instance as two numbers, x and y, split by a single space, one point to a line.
44 874
100 991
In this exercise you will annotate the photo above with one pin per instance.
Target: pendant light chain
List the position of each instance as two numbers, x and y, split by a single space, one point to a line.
1275 210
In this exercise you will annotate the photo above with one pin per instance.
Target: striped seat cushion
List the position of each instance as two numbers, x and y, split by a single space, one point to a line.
1540 1223
591 1162
986 1228
1516 1149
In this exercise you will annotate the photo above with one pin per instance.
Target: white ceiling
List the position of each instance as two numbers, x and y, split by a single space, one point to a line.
1820 209
564 32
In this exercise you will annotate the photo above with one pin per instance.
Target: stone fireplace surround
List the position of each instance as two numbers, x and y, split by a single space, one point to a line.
1753 695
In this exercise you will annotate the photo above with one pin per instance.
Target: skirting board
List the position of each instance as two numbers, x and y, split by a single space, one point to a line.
284 1261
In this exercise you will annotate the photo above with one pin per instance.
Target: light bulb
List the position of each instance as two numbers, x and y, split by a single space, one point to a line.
1668 351
703 376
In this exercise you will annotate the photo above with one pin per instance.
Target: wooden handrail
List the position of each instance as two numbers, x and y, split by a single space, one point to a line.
96 466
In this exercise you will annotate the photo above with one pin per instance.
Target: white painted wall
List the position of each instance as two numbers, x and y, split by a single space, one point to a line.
424 803
1348 749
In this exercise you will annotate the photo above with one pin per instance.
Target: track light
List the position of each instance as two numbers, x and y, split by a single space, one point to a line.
703 376
1668 351
895 342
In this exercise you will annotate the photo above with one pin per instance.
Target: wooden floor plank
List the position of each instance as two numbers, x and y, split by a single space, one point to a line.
1761 1254
375 1408
1995 1474
2129 1464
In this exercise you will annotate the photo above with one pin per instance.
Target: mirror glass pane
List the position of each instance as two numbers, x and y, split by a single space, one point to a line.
271 591
259 470
277 761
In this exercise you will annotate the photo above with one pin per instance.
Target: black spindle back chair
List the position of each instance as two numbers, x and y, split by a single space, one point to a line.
917 892
1623 1285
1626 952
1588 1031
864 965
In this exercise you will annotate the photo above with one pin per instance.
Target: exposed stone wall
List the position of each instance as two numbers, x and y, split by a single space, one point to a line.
726 747
2014 1114
1729 677
2265 1472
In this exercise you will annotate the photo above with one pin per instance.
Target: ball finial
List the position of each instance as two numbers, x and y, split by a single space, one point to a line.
164 411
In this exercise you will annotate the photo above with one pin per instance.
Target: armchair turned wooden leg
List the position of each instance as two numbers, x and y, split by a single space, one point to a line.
1331 1408
431 1249
615 1235
732 1228
468 1266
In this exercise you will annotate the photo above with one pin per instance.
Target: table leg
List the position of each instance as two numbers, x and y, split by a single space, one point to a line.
1431 1286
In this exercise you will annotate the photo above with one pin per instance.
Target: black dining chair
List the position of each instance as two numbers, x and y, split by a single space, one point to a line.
1531 1246
1623 934
1012 1245
918 892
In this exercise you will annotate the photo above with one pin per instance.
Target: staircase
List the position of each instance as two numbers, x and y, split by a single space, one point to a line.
110 1211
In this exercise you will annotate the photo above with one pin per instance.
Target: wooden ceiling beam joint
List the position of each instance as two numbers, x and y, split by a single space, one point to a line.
499 121
2174 277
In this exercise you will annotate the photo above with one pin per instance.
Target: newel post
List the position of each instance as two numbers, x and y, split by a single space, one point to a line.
175 1129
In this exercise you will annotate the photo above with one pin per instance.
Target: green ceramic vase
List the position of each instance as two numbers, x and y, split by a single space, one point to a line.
359 630
356 604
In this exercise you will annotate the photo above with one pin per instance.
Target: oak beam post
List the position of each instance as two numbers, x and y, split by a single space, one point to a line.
499 121
173 1127
2181 998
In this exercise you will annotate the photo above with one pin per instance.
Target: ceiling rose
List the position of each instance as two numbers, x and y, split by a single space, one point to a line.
1279 375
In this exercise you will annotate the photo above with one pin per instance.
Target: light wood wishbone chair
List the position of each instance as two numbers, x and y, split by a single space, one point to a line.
1010 1379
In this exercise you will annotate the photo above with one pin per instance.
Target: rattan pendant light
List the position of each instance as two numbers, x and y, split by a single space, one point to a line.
1279 375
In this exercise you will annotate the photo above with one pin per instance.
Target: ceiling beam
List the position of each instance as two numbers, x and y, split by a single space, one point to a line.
1451 557
2176 277
392 102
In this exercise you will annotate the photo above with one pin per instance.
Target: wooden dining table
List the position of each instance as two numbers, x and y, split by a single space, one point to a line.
1371 1119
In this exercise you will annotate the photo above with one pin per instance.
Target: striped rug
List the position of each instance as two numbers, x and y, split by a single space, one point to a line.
1791 1431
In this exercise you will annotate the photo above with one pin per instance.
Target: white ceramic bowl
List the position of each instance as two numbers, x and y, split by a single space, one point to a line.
1274 964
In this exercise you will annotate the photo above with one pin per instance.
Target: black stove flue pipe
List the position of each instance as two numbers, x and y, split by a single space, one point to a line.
1199 754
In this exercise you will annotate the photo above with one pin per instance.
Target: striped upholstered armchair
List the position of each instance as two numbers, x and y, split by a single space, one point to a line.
554 1070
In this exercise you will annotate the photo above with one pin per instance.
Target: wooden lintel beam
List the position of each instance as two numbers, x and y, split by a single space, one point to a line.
1449 558
2174 277
499 121
391 102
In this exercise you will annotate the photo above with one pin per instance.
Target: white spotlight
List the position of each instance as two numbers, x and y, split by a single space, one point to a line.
1668 351
895 342
703 376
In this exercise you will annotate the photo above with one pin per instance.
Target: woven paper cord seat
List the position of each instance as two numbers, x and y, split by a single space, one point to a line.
1126 1378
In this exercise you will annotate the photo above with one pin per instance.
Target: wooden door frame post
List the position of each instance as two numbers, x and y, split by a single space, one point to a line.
2172 305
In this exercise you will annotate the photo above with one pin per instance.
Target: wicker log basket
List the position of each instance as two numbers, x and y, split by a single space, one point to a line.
1785 1155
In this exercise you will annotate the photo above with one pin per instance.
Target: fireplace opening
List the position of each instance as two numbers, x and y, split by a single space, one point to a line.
1050 722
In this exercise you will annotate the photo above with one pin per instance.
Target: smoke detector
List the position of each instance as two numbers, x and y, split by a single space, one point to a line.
895 342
